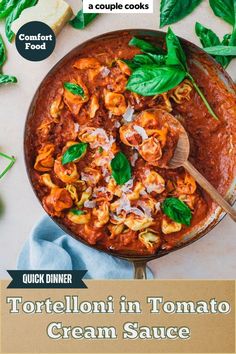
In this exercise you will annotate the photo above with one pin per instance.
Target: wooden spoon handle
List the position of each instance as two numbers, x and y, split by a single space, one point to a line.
207 186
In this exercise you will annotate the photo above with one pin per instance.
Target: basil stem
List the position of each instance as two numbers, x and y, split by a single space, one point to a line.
12 159
201 94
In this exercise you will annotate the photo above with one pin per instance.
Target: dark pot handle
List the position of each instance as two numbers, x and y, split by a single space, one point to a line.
140 269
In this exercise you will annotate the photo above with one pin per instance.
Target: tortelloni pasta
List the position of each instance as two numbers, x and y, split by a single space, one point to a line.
100 157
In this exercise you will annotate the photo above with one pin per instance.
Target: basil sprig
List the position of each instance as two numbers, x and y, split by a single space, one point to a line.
153 79
209 39
11 163
15 13
6 6
74 89
4 79
224 9
172 11
74 153
77 212
177 211
121 169
81 20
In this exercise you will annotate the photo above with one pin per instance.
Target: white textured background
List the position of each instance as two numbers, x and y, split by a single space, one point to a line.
214 256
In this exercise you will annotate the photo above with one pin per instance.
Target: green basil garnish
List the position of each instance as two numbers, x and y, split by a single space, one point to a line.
74 152
2 52
121 169
172 11
209 39
6 6
150 80
224 9
177 210
145 46
11 163
81 20
6 79
175 52
221 50
74 89
77 212
145 59
15 13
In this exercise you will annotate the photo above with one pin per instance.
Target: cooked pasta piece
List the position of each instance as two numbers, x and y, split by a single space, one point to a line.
81 219
151 151
57 201
84 197
93 106
66 173
138 222
115 102
124 67
169 226
185 184
101 215
91 176
73 101
45 160
56 106
47 181
153 182
150 238
91 65
181 92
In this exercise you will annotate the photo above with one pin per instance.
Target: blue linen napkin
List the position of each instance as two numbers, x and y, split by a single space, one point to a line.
49 248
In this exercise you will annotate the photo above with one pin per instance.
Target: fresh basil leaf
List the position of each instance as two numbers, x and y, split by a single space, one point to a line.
2 53
6 6
7 79
121 169
74 153
145 59
77 212
145 46
176 210
150 80
174 10
224 9
175 53
74 89
81 20
15 13
221 50
209 39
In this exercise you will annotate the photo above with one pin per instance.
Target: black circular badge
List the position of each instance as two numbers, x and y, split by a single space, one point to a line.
35 41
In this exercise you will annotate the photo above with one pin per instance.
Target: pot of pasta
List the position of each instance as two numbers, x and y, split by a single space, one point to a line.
95 153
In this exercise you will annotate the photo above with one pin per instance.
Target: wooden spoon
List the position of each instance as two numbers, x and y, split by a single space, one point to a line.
180 158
